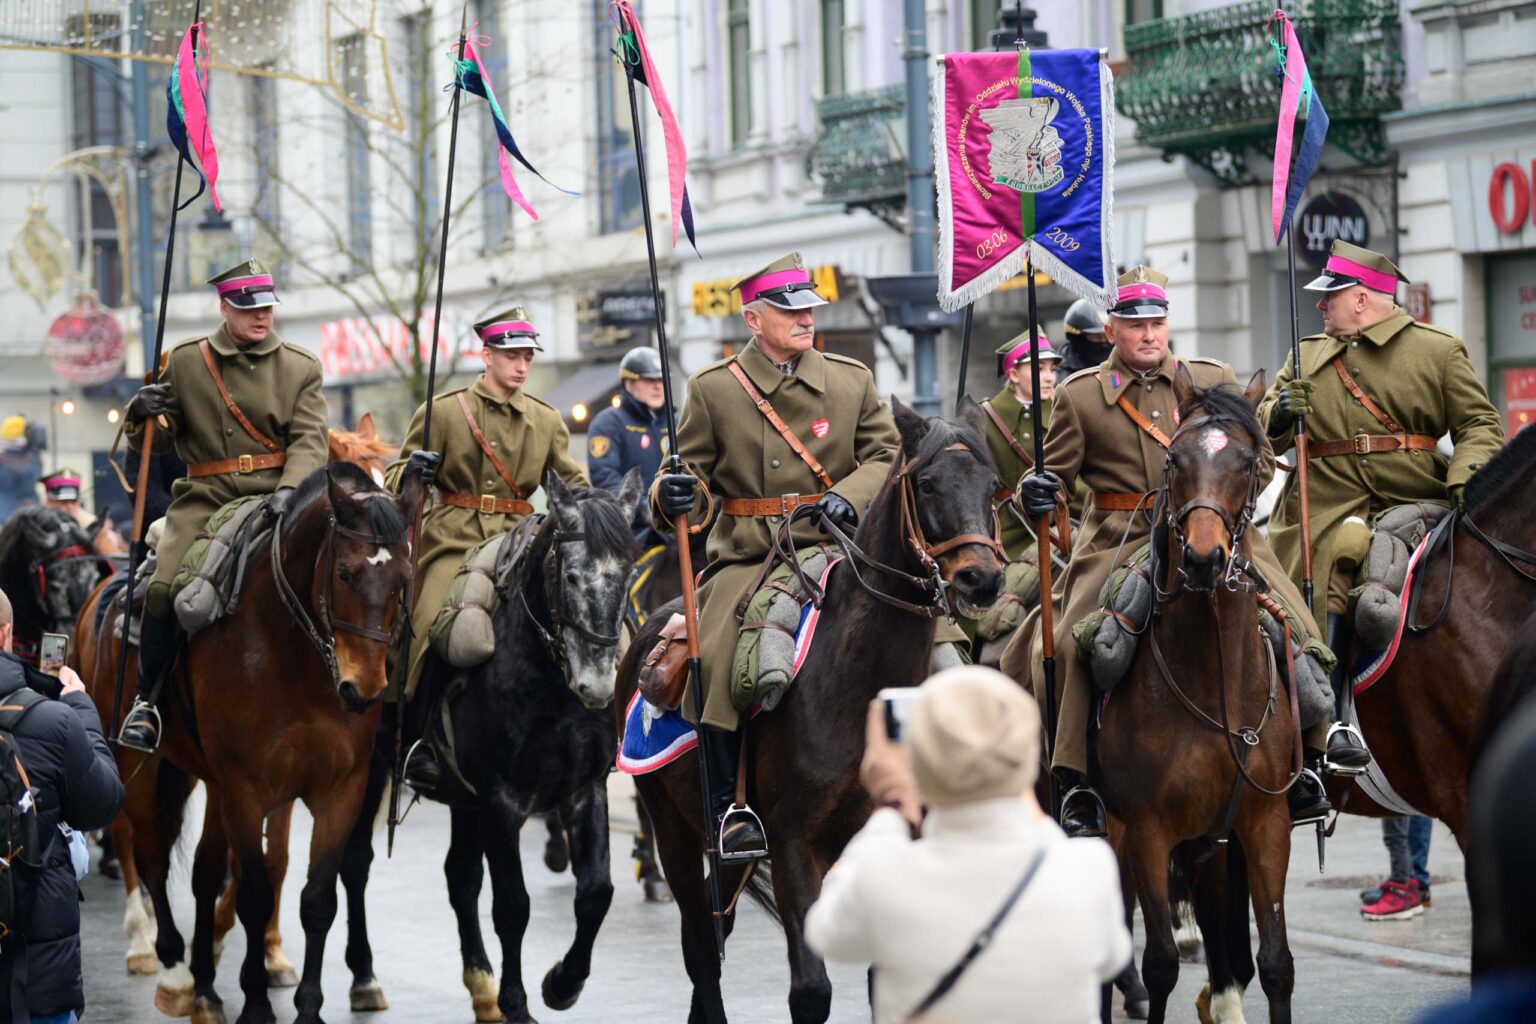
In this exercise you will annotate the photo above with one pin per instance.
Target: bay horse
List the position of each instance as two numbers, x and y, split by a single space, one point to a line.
300 664
1198 740
876 630
530 734
48 569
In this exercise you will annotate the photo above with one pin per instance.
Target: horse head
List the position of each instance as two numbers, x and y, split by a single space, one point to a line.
362 564
1211 478
587 570
363 448
61 567
947 481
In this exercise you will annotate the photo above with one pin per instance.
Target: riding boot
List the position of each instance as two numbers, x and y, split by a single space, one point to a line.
738 829
423 771
1082 809
1306 799
157 646
1346 752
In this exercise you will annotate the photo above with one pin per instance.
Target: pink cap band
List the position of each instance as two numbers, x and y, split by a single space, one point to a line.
1143 290
240 284
755 287
54 482
501 327
1021 351
1374 279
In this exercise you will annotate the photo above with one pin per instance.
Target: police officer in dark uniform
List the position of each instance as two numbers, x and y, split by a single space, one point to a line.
1085 344
633 432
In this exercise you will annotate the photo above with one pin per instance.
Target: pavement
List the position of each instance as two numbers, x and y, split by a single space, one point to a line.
1347 970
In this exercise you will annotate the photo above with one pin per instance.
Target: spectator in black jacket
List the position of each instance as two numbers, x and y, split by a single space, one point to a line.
76 782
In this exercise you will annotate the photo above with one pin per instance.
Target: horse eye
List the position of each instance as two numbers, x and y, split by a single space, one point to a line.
571 577
925 486
345 575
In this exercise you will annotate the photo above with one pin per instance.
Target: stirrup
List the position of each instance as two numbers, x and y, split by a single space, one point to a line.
745 814
1332 767
405 768
148 717
1322 814
1101 816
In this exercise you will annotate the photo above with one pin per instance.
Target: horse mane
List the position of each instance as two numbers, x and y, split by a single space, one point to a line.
1502 472
943 432
1224 402
353 446
605 524
383 518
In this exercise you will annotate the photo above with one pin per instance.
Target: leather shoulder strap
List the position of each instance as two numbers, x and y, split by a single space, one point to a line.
1142 422
229 403
779 424
490 453
1365 399
1002 428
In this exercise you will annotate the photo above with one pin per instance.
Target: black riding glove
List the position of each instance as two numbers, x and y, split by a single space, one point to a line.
149 400
278 503
834 508
675 493
1295 400
425 465
1037 493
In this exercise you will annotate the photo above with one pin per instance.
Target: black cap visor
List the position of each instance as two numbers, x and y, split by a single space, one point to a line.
793 296
1329 282
1140 309
253 299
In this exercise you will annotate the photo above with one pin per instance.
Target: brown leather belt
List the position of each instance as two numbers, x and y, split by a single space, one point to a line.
783 505
243 464
1369 444
1124 501
487 504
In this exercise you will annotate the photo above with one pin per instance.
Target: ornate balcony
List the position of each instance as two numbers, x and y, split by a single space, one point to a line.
1203 85
860 155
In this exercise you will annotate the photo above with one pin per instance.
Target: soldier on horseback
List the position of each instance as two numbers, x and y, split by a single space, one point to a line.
1110 427
631 434
1010 425
1372 448
245 411
491 444
778 426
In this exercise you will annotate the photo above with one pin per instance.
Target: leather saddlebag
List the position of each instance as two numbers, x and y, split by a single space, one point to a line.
664 673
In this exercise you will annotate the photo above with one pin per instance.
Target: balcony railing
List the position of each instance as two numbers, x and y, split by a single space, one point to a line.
859 156
1203 85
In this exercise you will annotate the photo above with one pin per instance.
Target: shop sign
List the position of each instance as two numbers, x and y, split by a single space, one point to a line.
353 348
1512 197
1330 216
1416 303
628 309
715 298
1519 398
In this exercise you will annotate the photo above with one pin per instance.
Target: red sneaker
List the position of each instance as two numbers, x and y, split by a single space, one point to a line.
1399 901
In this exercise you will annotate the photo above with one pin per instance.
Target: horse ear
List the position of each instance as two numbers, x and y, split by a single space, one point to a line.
973 416
1254 392
334 450
562 502
341 501
1183 383
630 491
912 427
365 428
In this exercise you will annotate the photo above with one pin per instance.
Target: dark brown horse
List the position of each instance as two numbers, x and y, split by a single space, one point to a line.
300 664
807 750
1198 740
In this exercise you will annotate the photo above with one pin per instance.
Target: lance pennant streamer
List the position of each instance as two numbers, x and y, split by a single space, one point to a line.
1023 150
1297 96
186 115
473 79
636 56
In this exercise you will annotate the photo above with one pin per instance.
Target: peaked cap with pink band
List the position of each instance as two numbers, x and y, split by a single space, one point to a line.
510 328
784 283
1016 350
246 285
1349 265
1141 294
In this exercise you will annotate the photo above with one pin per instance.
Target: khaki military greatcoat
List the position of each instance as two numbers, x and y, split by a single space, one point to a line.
1021 424
528 437
831 405
276 386
1420 376
1092 440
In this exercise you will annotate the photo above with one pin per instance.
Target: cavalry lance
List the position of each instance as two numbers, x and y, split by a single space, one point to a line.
403 654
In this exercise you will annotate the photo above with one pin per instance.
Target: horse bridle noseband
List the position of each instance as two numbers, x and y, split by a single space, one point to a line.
1173 519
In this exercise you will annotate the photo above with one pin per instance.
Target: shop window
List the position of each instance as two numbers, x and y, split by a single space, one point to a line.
1512 337
833 77
495 207
739 35
618 181
354 82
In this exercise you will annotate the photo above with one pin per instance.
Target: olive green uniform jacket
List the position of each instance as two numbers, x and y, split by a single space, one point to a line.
1420 376
276 386
527 435
1010 468
1092 440
731 446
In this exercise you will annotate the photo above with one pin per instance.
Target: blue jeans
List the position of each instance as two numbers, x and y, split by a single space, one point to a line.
1407 842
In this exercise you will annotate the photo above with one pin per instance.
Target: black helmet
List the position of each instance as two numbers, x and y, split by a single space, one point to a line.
1082 318
641 364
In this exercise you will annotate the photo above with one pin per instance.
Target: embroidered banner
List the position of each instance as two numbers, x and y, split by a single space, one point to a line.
1298 96
1023 151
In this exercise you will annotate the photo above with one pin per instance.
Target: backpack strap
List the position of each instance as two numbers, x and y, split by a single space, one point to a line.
14 707
774 418
1365 399
1002 428
229 403
485 446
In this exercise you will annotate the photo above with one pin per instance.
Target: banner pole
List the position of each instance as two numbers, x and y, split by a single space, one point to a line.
965 354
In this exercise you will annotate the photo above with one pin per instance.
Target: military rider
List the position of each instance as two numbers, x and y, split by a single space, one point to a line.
633 433
1011 426
1095 439
1085 345
246 413
491 444
1375 447
829 403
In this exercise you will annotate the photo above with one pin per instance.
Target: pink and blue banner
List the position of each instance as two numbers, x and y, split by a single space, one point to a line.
1298 97
1023 148
186 114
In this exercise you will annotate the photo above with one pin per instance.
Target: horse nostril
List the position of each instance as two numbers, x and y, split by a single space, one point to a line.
969 578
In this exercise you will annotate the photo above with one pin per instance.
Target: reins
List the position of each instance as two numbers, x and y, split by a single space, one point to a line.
550 635
1507 553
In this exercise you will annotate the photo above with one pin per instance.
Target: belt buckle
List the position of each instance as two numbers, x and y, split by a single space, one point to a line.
1362 444
246 463
487 504
788 503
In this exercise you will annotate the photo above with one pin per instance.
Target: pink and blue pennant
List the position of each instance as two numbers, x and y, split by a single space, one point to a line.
1298 95
473 79
186 116
638 64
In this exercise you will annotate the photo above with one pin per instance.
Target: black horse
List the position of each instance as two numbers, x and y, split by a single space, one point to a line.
48 569
530 734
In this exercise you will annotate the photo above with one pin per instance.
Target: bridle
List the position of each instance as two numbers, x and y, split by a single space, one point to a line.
53 561
1510 555
1239 574
324 639
553 635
